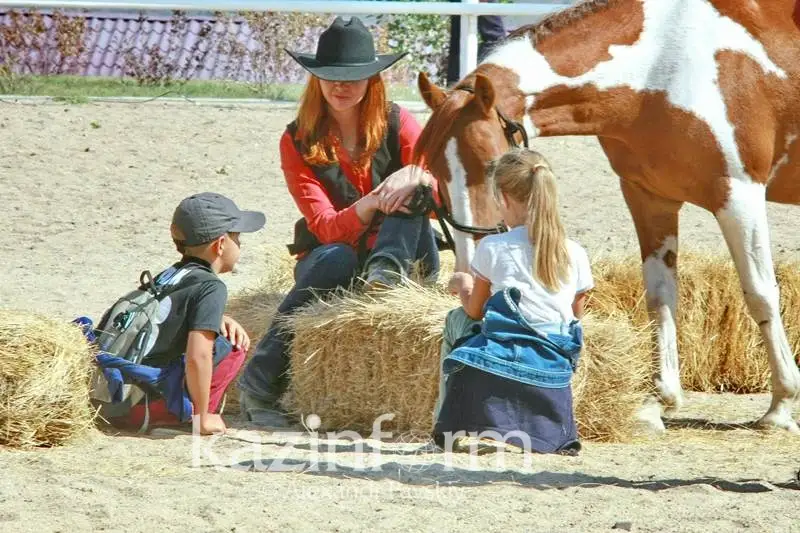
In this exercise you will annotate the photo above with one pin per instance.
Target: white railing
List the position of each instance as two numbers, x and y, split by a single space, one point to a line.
469 10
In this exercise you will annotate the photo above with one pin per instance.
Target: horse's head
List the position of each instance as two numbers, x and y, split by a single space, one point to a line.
470 125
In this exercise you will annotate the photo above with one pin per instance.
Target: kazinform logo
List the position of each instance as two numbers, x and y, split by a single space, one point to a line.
312 451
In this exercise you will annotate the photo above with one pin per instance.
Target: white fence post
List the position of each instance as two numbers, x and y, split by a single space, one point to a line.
469 42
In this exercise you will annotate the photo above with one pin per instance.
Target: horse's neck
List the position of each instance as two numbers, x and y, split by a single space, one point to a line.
609 56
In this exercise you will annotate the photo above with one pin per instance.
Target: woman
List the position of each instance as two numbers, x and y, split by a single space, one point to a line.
346 164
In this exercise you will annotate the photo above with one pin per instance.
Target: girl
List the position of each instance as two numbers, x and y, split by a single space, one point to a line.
346 164
526 292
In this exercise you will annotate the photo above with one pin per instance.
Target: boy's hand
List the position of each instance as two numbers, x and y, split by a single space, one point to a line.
235 333
460 283
211 424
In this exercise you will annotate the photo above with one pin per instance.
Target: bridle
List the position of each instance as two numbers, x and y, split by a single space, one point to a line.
510 129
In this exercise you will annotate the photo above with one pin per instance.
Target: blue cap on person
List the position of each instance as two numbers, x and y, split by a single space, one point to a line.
203 217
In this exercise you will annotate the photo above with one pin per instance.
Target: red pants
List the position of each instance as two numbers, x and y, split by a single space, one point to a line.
224 373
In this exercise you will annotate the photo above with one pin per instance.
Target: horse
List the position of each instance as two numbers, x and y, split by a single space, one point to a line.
692 101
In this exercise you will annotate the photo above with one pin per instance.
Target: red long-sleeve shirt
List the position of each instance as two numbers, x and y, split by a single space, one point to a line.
313 201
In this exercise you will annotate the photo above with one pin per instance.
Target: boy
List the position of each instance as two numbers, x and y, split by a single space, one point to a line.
205 229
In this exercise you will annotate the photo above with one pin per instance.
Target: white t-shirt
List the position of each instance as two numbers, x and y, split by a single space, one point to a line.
506 260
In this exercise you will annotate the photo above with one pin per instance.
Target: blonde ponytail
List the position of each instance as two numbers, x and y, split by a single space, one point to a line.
525 175
545 230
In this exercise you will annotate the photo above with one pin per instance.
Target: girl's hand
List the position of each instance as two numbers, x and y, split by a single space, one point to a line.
460 283
464 286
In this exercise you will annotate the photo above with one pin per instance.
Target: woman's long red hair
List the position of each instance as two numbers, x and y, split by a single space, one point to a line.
314 128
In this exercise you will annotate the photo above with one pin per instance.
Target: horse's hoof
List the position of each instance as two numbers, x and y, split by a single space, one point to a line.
671 397
672 404
648 420
780 421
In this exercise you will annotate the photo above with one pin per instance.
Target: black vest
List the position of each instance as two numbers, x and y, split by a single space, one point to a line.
342 193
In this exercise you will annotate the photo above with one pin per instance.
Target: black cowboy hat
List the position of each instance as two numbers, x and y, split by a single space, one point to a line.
345 52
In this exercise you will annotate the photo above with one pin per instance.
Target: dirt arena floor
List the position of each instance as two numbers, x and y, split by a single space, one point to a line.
87 195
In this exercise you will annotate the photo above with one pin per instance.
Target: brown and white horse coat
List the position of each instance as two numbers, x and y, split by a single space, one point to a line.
692 101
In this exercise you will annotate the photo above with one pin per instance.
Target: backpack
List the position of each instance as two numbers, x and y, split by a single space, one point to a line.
128 330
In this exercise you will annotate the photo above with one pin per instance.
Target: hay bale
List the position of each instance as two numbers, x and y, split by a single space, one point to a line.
357 357
719 345
45 366
254 308
613 378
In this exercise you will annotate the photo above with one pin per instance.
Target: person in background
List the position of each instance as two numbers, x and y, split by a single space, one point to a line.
491 30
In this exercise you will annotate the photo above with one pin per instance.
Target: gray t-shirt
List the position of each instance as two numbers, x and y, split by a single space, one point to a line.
197 303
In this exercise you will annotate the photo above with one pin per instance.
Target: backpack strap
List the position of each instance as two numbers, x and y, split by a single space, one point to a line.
195 273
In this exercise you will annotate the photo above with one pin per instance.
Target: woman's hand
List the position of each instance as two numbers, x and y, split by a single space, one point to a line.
397 189
366 206
235 333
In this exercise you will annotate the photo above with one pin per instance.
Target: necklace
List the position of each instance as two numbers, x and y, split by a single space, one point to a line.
352 149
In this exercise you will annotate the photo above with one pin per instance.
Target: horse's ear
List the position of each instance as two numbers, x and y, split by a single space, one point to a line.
433 95
484 93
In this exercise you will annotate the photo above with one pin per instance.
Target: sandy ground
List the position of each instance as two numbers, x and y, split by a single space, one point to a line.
87 194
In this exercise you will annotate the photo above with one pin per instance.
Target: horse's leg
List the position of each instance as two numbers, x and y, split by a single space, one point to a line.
743 221
656 221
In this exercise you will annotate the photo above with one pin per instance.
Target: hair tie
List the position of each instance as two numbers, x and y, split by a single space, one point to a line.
537 166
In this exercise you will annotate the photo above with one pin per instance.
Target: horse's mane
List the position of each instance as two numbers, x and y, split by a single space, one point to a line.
558 20
435 133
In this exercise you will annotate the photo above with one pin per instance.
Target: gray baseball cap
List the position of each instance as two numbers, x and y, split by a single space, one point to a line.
203 217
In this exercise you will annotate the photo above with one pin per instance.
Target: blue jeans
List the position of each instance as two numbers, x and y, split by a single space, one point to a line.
401 240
